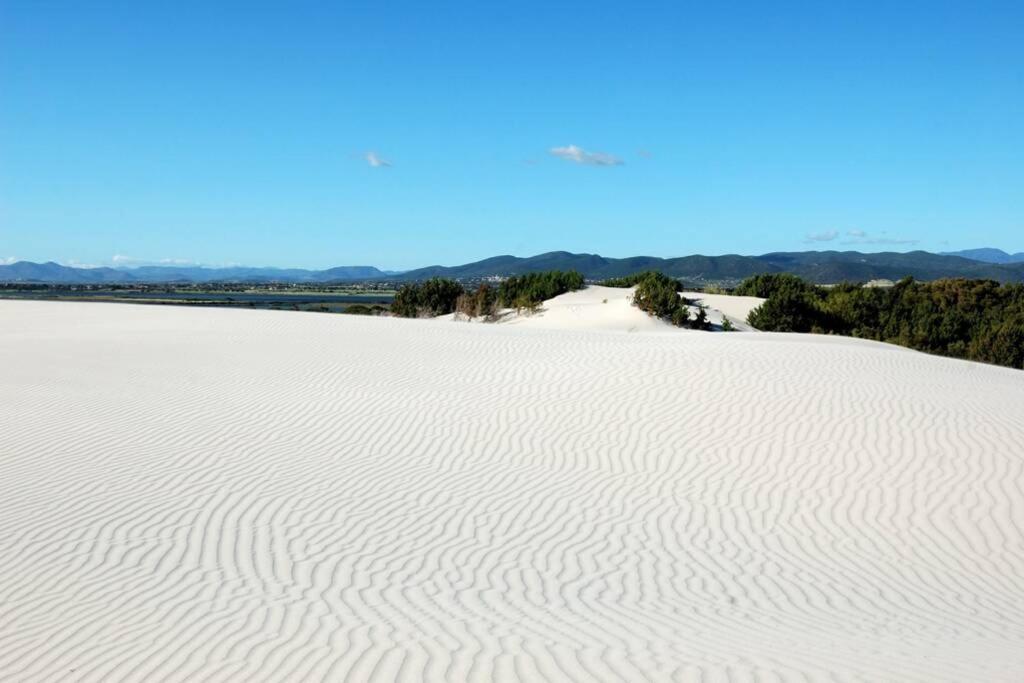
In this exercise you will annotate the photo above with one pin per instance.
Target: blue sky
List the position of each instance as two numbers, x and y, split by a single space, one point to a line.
145 132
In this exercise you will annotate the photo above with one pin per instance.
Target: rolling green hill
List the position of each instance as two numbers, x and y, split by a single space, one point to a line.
822 267
818 266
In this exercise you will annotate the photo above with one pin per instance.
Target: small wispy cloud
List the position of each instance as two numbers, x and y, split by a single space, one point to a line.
861 237
824 236
375 160
125 261
856 237
8 260
645 154
578 155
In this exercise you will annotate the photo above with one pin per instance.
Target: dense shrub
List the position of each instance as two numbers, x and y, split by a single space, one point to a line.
439 296
432 297
768 284
700 321
974 319
635 279
1002 344
481 303
656 294
680 317
788 310
527 291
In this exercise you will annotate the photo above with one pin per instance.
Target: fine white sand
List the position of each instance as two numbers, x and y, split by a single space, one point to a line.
202 494
611 309
719 306
592 308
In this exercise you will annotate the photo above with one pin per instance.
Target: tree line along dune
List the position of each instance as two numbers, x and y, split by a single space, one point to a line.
980 320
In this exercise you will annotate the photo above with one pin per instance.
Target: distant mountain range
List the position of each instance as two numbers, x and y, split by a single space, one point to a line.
988 255
817 266
50 272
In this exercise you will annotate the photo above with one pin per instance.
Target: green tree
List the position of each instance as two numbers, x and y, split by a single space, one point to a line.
700 319
433 297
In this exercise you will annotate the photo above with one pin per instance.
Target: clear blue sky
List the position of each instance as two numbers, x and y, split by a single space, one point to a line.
243 134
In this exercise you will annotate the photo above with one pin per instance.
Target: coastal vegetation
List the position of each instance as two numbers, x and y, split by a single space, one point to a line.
438 296
978 320
524 291
658 294
433 297
480 303
634 279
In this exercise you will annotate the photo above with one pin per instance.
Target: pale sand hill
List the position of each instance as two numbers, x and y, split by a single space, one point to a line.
611 309
592 308
201 494
719 306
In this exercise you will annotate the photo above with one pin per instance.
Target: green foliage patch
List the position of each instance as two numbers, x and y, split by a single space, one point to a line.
974 319
433 297
438 296
658 295
527 291
636 278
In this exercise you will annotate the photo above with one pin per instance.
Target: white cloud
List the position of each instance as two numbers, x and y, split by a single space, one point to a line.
376 161
856 237
825 236
579 155
861 237
882 240
8 261
124 261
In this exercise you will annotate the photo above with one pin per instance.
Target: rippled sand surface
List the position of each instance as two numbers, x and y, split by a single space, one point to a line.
200 494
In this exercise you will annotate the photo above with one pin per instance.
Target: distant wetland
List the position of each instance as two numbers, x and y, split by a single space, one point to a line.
360 300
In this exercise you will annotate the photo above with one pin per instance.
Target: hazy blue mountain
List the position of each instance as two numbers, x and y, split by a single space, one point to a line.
988 255
836 266
817 266
247 274
25 271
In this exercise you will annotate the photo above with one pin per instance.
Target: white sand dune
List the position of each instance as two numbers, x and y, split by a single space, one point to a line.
719 306
201 494
592 308
611 309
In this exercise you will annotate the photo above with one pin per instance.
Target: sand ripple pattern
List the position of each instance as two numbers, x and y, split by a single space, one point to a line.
203 495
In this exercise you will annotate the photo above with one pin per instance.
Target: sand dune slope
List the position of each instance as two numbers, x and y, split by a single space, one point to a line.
719 306
592 308
199 494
